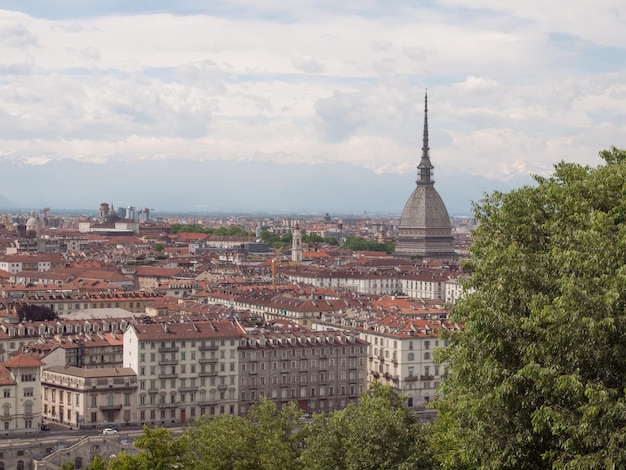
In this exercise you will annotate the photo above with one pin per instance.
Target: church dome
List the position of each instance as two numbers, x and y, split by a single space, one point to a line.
425 208
32 223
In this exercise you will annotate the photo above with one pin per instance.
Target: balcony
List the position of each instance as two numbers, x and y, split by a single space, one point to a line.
165 349
167 405
190 388
427 377
208 347
207 373
206 360
171 375
110 407
411 378
207 403
171 362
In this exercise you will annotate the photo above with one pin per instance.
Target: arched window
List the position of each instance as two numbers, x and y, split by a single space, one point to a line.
78 463
6 409
28 408
20 465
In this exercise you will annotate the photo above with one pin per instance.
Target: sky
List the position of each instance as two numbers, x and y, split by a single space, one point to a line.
297 105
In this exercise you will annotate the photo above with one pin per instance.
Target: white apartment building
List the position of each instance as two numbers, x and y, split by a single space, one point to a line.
184 370
400 352
20 395
84 398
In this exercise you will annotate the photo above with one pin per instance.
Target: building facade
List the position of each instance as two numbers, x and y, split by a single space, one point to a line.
321 371
89 398
184 370
20 402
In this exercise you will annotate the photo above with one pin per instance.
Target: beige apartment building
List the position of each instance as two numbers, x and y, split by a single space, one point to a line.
189 369
20 395
89 398
321 371
184 370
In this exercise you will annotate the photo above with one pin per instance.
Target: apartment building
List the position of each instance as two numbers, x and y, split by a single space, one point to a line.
184 369
83 398
37 262
400 353
321 371
20 395
85 343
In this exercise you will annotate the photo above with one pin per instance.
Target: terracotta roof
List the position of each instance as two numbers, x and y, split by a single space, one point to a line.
23 360
5 376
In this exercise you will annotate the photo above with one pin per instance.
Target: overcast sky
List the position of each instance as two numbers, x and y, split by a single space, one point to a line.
513 86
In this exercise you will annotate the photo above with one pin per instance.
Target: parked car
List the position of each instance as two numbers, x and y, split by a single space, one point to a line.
45 427
109 431
114 426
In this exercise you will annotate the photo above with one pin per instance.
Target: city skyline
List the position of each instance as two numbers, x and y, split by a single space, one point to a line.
313 107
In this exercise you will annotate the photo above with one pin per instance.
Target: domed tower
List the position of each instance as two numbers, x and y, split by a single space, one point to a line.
32 224
425 228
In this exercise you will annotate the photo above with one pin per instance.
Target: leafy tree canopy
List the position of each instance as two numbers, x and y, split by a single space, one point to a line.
28 312
158 450
538 377
265 439
364 244
233 230
375 433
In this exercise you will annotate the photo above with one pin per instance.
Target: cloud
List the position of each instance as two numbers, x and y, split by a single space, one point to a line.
307 65
512 88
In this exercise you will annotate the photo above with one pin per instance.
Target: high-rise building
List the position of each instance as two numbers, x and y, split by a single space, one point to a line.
425 230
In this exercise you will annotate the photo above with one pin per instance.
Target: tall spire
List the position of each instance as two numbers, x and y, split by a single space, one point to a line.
425 167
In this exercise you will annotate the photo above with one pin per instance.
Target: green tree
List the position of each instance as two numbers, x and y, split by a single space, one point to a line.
375 433
187 228
538 377
96 464
29 312
158 450
158 247
265 439
363 244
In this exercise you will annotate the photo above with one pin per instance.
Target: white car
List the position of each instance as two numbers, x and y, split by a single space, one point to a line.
109 431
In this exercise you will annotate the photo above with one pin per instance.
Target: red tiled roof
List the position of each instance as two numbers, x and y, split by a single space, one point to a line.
5 376
23 360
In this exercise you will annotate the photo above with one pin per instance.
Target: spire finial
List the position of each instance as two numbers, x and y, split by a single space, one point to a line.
425 167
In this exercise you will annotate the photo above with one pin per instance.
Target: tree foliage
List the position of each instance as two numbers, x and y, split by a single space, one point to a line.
375 433
265 439
232 231
158 450
538 374
29 312
364 244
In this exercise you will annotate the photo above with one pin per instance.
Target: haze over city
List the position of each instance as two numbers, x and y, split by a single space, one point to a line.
299 106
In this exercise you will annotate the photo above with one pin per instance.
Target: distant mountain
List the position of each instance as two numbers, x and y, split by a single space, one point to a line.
6 204
231 187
